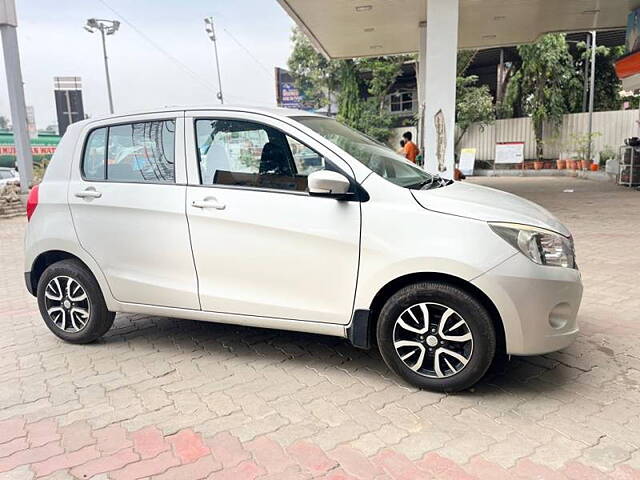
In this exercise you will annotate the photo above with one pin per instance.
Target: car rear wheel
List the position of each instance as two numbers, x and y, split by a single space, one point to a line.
436 336
71 303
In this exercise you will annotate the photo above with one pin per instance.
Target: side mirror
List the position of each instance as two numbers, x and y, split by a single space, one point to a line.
326 183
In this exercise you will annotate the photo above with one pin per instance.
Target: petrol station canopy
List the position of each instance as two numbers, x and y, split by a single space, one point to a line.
437 29
357 28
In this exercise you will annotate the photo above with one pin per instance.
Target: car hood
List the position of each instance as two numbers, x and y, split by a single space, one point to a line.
487 204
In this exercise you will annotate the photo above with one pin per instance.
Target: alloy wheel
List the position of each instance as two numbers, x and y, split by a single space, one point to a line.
433 340
67 304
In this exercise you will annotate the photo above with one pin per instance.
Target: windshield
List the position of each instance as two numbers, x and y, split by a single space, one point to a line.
5 174
376 156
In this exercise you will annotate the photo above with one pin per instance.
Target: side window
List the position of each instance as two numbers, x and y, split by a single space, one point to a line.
239 153
142 152
93 164
307 161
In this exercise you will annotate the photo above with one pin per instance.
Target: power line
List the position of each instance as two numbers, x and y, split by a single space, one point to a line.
268 70
175 60
191 73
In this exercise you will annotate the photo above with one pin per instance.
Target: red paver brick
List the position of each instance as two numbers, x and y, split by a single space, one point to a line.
64 461
12 428
525 468
32 455
149 442
269 454
294 472
579 471
435 464
227 449
398 465
106 463
13 446
188 446
339 475
42 432
111 439
355 463
311 457
146 468
201 468
625 472
76 436
246 470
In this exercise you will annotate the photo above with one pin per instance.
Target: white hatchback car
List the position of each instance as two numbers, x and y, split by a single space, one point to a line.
289 220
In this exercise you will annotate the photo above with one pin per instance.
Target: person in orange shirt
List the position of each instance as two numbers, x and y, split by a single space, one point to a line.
411 150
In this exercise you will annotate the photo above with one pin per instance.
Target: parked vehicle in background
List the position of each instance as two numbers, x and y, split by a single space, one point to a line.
8 175
285 219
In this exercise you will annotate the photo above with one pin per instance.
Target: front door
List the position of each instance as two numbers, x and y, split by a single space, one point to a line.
128 210
262 246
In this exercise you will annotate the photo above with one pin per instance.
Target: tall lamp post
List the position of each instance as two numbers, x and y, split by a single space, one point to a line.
106 27
208 22
8 25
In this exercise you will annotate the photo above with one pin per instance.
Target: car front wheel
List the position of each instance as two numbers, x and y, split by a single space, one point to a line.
436 336
71 303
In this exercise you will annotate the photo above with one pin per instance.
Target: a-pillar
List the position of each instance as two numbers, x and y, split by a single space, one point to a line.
438 77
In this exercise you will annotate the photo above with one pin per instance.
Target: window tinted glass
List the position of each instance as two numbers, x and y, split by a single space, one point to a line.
94 155
142 152
307 161
233 152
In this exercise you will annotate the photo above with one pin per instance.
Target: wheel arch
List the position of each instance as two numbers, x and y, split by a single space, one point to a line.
45 259
394 285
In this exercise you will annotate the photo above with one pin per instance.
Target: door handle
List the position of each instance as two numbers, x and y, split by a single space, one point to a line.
88 193
209 202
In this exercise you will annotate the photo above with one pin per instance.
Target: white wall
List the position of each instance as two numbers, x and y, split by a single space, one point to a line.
613 126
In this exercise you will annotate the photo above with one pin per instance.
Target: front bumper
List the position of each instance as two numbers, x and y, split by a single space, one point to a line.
538 304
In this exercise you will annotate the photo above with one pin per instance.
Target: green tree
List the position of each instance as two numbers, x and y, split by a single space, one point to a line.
608 85
546 86
365 85
474 104
360 85
316 77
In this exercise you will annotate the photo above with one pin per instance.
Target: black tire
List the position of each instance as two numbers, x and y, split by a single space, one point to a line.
99 319
438 295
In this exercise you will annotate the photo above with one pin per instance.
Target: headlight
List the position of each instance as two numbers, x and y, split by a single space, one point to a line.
540 246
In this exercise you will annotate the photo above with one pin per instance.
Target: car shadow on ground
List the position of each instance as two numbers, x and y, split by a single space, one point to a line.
260 346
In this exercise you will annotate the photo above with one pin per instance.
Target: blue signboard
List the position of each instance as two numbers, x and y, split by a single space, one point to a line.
289 96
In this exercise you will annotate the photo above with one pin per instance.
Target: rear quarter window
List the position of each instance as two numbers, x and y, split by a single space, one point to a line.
140 152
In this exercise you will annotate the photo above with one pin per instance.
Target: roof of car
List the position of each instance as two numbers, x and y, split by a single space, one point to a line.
273 111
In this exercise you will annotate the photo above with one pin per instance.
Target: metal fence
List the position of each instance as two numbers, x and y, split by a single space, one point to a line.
613 127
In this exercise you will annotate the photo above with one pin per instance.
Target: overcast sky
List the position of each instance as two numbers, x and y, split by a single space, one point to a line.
53 43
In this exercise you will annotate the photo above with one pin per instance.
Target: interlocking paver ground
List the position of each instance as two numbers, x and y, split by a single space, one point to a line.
167 398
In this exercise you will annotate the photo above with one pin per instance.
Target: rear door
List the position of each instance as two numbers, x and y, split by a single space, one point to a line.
127 195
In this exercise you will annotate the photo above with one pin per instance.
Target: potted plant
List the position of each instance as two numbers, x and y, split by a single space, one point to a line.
607 153
583 147
556 143
538 164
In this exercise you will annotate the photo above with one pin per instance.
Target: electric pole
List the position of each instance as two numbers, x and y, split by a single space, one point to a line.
212 36
106 27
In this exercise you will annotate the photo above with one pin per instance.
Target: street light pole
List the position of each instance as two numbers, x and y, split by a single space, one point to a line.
8 25
212 36
594 44
106 27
